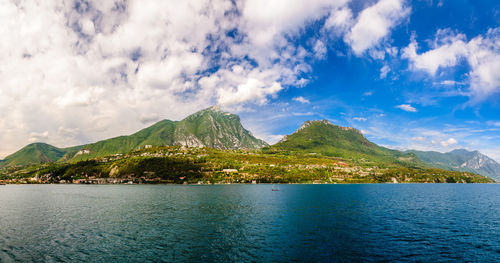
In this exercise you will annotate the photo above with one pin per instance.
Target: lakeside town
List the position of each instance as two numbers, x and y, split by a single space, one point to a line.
201 165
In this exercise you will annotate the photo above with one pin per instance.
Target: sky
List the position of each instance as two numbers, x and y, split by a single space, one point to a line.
408 74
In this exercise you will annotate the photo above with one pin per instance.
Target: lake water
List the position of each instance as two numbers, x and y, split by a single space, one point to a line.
313 223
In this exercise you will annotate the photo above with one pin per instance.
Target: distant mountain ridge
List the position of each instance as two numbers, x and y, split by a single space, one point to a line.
210 127
217 129
331 140
461 160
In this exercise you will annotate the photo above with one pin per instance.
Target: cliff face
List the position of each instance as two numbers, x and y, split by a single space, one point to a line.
216 129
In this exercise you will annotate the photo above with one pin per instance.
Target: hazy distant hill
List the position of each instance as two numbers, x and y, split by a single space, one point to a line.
210 127
328 139
461 160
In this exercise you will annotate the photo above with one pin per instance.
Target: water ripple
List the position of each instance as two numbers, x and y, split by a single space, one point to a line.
318 223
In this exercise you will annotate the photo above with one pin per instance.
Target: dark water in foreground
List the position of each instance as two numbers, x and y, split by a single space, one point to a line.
250 223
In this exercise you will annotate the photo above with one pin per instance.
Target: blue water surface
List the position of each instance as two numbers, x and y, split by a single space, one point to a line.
220 223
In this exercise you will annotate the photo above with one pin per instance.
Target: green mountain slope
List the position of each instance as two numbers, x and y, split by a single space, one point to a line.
216 129
35 153
159 134
210 128
461 160
331 140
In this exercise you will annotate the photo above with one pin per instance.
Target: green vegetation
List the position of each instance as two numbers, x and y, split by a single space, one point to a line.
210 128
175 164
322 137
35 153
461 160
159 134
217 149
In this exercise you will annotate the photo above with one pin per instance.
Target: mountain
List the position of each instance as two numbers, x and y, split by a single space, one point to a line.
331 140
211 127
159 134
461 160
215 129
34 153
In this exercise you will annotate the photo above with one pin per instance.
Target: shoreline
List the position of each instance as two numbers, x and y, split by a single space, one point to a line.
246 184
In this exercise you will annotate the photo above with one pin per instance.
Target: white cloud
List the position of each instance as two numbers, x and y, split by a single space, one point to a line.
451 83
148 118
365 132
38 137
406 107
448 142
384 71
87 26
359 119
370 28
68 132
104 68
419 139
493 123
481 53
319 50
253 89
97 69
446 54
309 113
267 23
374 24
484 59
272 138
339 20
301 99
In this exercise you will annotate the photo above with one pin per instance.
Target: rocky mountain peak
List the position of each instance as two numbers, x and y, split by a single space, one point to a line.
215 108
478 161
462 160
309 123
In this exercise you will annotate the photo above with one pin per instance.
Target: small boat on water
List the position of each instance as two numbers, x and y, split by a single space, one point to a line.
274 189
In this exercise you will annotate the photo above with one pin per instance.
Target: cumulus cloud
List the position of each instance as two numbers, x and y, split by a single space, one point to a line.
368 30
359 119
448 142
301 99
340 20
106 68
406 107
446 54
253 89
482 54
89 70
375 23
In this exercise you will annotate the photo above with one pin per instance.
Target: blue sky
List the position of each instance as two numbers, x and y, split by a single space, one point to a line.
351 90
408 74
